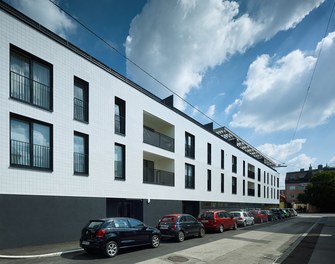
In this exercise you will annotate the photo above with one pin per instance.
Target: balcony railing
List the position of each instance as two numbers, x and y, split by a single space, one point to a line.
189 151
159 177
251 174
30 91
157 139
80 110
80 163
26 154
119 123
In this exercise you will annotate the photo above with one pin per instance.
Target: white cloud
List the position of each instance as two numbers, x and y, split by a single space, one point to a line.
302 161
178 41
47 14
276 88
282 152
210 111
230 107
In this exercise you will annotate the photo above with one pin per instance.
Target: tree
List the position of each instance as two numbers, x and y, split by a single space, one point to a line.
320 191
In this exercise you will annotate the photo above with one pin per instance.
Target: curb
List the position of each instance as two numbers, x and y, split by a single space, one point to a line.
55 254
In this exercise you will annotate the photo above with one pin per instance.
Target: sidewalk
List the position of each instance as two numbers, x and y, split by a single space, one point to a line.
48 250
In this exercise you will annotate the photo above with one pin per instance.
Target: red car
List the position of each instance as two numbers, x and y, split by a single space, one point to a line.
217 220
259 216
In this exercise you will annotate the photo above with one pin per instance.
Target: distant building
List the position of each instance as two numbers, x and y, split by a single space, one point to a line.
296 182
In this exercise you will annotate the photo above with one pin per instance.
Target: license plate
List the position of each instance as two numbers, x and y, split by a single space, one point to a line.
86 243
164 227
204 221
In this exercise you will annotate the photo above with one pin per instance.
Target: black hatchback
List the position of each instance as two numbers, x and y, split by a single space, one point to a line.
180 226
109 234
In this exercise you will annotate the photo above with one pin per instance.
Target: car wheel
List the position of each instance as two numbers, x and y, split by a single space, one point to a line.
180 236
253 222
201 232
111 249
235 226
221 228
155 241
245 223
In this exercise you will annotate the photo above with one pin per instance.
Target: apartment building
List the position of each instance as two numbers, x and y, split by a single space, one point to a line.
80 141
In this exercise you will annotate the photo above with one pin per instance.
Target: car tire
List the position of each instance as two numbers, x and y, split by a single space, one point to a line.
244 223
111 249
180 236
221 228
201 232
155 241
253 222
235 226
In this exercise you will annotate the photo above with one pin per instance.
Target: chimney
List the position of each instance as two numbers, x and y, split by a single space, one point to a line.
320 167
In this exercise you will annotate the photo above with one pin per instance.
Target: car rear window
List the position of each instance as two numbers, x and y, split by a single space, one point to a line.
235 214
168 219
206 215
95 224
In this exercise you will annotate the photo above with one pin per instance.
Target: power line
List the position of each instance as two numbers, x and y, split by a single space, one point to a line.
313 73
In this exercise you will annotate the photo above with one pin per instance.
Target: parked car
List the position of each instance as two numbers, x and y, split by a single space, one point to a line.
217 220
242 218
285 212
278 213
259 216
292 212
110 234
180 226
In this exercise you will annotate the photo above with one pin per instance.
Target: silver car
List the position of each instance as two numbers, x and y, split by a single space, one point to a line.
243 219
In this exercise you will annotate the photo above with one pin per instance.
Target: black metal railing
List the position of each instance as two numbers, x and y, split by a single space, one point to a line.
157 139
189 151
80 163
80 110
119 170
159 177
26 154
30 91
251 174
119 123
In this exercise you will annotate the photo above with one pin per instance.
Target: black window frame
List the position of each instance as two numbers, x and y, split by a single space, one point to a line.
234 185
209 153
120 118
81 156
31 122
234 164
123 163
189 179
31 60
222 159
222 182
81 105
209 180
189 148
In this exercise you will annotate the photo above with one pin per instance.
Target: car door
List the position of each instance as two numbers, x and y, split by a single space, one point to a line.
229 220
185 225
193 225
247 218
124 232
140 234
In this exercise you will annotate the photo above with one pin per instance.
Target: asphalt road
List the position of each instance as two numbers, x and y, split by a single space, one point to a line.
264 243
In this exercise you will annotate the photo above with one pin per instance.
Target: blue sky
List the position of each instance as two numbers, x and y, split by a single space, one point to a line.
246 65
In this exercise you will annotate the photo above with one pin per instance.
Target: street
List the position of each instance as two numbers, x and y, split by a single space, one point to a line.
271 242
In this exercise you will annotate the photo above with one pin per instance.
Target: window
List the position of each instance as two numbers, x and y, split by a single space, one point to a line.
209 153
30 143
189 176
264 177
251 171
243 168
234 185
243 187
259 190
209 180
120 116
234 164
292 187
119 162
80 100
80 155
222 159
189 145
222 182
30 79
259 174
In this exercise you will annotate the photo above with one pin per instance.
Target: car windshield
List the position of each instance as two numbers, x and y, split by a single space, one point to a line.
94 224
206 215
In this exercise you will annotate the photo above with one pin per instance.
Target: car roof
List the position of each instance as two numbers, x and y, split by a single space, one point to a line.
214 210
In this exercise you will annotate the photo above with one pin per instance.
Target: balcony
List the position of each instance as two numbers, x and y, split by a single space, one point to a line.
30 91
80 110
157 139
160 177
80 163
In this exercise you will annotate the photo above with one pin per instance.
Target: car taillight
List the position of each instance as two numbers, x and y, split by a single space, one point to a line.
100 233
240 218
